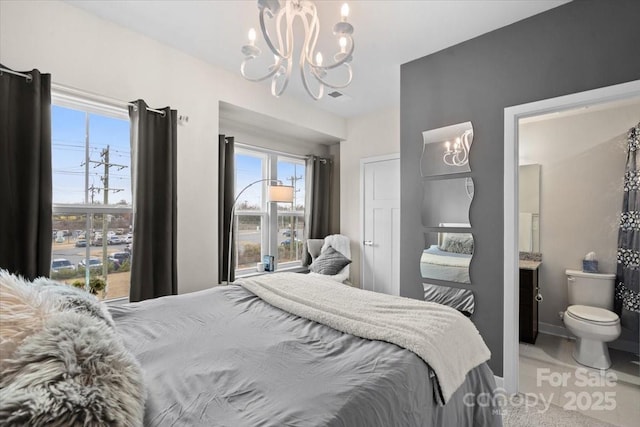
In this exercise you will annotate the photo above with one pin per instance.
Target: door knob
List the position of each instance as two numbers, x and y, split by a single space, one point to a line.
367 243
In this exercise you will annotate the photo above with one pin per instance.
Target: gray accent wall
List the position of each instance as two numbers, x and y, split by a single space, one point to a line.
576 47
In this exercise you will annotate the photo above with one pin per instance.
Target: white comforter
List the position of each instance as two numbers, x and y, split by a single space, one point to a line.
440 335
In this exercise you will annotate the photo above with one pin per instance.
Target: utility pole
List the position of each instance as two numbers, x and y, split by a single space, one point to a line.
104 154
105 183
294 223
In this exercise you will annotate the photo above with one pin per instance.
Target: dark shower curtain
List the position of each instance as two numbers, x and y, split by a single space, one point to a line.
627 298
25 174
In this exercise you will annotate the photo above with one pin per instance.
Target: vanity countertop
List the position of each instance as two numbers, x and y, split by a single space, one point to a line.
529 265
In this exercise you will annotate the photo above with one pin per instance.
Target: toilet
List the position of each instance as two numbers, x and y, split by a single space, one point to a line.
589 317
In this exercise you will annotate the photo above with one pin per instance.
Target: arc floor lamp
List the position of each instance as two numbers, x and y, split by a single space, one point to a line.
277 193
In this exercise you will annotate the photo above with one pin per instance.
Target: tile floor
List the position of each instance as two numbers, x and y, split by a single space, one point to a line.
547 370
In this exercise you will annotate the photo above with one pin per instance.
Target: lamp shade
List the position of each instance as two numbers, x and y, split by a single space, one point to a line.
281 193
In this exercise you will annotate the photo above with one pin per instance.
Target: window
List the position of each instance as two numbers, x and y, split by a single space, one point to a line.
291 216
264 228
92 203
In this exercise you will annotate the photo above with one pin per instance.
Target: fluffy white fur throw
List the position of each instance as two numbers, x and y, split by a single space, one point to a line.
62 362
440 335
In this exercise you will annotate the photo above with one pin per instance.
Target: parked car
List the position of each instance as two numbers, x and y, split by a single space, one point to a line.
61 264
81 243
94 263
114 240
287 242
287 233
119 258
128 238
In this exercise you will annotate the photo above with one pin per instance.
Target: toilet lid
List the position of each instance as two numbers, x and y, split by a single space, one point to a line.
592 314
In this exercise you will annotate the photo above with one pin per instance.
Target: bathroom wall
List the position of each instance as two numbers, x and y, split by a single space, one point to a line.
583 159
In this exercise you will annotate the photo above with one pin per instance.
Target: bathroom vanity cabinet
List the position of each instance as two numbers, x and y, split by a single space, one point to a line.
528 302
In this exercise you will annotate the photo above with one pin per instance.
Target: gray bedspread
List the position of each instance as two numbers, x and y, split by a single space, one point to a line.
223 357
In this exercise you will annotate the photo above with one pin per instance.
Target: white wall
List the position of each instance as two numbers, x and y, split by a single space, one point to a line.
370 135
88 53
583 161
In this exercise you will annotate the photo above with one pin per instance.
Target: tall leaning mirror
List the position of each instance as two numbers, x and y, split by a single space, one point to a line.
446 150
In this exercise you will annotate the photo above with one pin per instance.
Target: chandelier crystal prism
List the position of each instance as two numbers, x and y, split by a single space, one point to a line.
311 63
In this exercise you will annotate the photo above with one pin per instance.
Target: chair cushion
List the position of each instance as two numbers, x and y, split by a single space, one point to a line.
330 262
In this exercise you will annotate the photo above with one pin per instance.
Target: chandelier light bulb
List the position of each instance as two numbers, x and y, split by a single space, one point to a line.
343 44
252 36
319 59
344 11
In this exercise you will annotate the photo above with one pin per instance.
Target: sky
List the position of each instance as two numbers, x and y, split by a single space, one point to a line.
68 155
249 168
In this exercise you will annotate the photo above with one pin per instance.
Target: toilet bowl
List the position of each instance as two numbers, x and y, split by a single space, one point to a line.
593 328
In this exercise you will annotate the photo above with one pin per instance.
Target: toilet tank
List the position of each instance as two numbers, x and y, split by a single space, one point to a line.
592 289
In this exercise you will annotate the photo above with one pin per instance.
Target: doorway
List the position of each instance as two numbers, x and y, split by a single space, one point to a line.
512 117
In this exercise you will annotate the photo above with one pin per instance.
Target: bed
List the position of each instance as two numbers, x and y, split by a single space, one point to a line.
443 265
227 357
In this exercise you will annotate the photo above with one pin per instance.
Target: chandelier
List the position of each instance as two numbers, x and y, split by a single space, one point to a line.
458 155
311 62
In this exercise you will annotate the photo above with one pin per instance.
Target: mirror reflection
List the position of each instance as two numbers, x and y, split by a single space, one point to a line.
447 255
529 208
446 150
446 200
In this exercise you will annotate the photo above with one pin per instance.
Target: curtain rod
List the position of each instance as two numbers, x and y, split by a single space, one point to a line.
283 153
15 73
57 86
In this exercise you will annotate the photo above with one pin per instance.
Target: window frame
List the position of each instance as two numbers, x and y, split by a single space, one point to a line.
269 211
91 104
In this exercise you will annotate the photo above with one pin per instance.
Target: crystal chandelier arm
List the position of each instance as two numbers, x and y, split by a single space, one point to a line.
345 59
312 31
272 70
278 77
265 32
318 77
306 83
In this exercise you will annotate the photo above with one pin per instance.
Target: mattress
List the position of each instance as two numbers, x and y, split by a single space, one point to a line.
224 357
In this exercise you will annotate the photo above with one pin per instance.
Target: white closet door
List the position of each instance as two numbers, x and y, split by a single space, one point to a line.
381 225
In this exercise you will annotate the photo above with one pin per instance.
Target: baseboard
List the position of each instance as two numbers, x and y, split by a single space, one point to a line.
561 331
555 330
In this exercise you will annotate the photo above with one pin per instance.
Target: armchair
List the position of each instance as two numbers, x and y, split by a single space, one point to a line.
317 247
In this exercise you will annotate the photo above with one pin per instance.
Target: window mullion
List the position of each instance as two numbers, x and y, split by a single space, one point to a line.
272 209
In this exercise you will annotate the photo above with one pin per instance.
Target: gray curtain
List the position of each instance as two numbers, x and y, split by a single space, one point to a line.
317 215
226 194
153 171
25 171
627 297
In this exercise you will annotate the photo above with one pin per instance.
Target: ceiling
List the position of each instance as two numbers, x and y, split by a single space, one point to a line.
387 34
